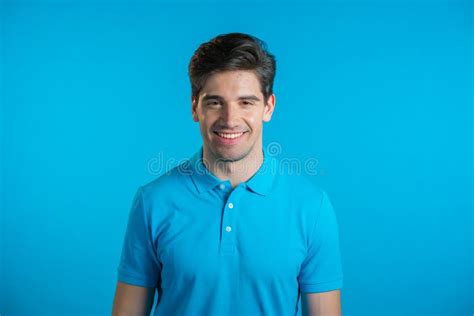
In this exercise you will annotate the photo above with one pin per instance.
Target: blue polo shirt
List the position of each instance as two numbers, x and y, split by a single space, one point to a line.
210 249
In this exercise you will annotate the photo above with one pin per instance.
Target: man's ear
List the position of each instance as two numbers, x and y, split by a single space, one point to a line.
194 104
269 107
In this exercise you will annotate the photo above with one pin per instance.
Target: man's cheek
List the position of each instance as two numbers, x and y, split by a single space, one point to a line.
252 120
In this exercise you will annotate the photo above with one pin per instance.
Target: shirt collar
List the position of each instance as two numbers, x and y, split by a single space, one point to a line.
205 180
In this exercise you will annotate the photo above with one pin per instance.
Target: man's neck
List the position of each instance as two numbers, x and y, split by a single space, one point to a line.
235 171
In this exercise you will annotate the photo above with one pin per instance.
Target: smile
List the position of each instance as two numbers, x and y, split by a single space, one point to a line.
230 135
229 138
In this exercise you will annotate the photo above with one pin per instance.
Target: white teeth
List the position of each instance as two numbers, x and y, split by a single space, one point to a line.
230 136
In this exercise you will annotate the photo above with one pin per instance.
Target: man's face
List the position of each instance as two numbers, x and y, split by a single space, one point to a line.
231 112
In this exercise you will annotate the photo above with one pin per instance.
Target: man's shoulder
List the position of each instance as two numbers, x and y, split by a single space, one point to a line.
300 184
169 181
303 193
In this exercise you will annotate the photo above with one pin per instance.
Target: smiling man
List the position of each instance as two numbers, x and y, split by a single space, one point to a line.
230 109
228 232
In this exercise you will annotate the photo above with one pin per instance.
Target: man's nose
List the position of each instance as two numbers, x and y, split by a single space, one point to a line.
229 115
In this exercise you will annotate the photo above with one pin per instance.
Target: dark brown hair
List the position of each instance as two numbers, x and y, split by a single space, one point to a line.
232 51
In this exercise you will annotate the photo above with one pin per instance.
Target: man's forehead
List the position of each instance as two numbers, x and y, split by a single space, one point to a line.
232 85
234 73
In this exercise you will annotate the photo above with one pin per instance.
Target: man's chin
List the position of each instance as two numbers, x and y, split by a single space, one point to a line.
228 158
229 155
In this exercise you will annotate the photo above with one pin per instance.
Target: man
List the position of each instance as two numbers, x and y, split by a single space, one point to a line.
228 232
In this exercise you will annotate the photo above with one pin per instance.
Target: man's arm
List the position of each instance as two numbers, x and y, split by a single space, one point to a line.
321 304
132 300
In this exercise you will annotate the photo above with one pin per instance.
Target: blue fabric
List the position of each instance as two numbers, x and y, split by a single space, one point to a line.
205 256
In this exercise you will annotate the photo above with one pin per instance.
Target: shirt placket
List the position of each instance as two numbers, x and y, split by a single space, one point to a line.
229 214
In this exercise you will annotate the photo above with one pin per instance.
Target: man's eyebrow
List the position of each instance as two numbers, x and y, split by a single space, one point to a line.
249 97
212 96
218 97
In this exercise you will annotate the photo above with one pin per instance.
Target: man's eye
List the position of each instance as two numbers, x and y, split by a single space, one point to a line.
211 103
247 103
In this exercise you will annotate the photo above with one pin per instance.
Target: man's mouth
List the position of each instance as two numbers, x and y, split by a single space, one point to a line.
229 135
229 138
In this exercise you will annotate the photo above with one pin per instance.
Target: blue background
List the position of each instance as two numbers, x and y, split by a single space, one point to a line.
379 92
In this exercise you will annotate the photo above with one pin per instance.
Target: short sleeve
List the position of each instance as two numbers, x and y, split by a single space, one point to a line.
321 270
138 261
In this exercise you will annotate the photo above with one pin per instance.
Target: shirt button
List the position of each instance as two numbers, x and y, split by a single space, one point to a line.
222 186
228 229
230 205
